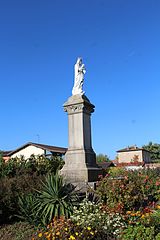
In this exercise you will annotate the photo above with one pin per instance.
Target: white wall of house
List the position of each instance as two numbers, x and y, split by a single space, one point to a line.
28 151
129 156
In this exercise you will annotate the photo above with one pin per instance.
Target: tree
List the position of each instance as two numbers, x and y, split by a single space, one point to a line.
154 149
102 158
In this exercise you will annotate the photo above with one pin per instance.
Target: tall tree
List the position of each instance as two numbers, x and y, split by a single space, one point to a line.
102 158
154 149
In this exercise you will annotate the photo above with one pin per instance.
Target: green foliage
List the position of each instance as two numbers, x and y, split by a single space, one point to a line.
11 189
129 207
19 176
39 164
102 158
26 209
157 236
139 232
44 165
2 166
116 172
155 221
56 198
154 148
16 231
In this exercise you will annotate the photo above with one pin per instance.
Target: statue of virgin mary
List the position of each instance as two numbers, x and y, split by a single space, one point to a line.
79 71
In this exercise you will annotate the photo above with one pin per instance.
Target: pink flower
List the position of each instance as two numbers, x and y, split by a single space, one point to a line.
100 176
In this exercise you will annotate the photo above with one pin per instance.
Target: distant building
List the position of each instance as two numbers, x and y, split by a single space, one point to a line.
152 165
105 165
34 148
133 155
5 155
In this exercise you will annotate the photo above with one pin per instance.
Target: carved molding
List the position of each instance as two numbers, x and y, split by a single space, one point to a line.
76 108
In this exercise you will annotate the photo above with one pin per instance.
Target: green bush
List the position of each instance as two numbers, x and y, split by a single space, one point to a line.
16 231
39 164
131 190
19 176
11 189
155 221
139 232
55 199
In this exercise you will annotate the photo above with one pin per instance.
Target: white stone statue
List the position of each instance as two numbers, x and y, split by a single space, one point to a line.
79 71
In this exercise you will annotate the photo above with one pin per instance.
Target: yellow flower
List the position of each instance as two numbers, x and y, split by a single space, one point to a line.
66 229
40 235
92 233
128 212
48 236
138 213
76 233
143 216
133 214
89 228
72 238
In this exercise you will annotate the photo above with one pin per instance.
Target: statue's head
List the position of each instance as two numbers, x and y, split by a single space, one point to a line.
79 60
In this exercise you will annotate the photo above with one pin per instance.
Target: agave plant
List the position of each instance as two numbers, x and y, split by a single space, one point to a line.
56 198
26 211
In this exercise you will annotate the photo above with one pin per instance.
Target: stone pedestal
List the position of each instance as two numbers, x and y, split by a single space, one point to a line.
80 159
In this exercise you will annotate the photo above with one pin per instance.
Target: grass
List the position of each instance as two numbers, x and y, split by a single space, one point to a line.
16 231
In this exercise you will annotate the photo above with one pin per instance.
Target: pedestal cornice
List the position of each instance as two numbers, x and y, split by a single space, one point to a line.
78 103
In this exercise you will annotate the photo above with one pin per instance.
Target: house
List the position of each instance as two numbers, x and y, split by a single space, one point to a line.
31 148
5 155
152 165
133 155
105 165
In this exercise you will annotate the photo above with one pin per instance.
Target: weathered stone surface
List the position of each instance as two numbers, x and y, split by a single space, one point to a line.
80 159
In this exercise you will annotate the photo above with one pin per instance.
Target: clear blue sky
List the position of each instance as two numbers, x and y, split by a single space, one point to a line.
119 41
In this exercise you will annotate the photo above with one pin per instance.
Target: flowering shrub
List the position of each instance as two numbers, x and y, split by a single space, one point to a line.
142 224
63 229
96 216
132 190
135 195
90 221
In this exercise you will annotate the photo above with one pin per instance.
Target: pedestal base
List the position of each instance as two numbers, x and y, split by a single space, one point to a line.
81 175
80 166
80 159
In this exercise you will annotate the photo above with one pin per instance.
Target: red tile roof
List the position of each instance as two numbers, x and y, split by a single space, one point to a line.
132 148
